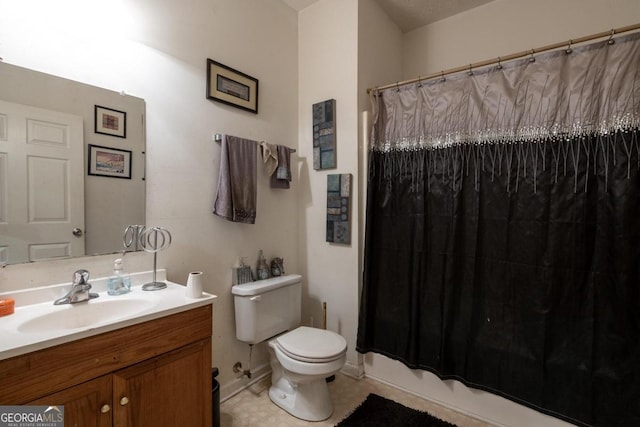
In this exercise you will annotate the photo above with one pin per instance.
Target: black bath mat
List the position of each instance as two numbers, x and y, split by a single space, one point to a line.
376 411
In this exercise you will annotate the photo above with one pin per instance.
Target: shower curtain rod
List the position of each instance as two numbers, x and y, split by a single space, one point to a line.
513 56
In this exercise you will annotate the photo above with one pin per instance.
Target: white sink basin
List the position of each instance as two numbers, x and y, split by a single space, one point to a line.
37 323
84 314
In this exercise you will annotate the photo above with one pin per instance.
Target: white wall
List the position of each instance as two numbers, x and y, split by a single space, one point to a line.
496 29
337 39
157 50
503 27
328 67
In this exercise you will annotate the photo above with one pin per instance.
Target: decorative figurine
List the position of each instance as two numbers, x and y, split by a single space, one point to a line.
277 267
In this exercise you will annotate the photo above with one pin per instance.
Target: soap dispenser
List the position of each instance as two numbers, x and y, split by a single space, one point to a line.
120 282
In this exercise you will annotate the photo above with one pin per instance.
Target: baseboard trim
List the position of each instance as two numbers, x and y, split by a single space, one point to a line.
353 371
234 387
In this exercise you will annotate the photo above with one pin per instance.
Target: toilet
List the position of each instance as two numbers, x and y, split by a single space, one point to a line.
301 357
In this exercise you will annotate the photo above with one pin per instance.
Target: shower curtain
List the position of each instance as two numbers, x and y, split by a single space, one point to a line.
502 243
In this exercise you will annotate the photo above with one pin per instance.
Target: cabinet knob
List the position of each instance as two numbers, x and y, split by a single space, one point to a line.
105 408
124 401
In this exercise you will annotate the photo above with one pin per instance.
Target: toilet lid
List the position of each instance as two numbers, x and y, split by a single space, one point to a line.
312 345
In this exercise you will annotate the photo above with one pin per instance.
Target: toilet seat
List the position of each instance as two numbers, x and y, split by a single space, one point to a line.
312 345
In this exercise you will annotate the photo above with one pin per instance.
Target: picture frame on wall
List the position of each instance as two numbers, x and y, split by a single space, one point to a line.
339 208
110 122
231 87
324 135
109 162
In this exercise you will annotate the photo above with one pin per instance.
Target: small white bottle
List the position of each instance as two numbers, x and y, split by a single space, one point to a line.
120 282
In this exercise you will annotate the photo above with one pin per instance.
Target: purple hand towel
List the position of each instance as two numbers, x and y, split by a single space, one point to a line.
282 175
236 198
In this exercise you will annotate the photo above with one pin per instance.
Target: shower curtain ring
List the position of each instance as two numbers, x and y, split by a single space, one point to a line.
499 64
397 87
611 40
568 50
470 72
442 78
419 81
532 59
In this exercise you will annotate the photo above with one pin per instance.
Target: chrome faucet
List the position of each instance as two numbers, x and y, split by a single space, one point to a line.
79 290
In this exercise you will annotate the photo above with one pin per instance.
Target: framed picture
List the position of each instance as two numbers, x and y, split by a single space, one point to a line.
231 87
110 122
324 135
105 161
339 208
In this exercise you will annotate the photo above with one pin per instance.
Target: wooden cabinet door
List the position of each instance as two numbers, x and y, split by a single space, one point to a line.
173 389
85 405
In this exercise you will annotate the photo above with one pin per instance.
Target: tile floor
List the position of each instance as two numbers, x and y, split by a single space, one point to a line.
252 407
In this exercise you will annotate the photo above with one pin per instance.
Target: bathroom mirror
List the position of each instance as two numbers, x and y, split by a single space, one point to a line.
72 167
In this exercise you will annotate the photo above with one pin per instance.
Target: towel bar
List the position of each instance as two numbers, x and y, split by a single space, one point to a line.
218 138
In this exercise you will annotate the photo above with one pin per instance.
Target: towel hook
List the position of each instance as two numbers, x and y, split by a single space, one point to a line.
611 40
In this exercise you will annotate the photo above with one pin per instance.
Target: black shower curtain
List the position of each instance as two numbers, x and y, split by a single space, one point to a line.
513 268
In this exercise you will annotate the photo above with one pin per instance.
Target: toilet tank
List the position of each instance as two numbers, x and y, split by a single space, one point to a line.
267 307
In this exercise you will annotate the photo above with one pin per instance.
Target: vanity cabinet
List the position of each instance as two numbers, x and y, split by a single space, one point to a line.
85 405
166 391
155 374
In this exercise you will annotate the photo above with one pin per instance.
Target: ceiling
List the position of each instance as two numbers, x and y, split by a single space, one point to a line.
411 14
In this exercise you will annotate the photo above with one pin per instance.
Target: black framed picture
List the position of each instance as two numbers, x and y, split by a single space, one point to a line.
110 122
109 162
231 87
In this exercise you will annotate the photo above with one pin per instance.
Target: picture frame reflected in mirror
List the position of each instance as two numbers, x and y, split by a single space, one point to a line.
109 162
110 122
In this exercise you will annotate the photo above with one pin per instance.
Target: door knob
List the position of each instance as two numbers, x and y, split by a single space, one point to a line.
105 408
124 401
77 232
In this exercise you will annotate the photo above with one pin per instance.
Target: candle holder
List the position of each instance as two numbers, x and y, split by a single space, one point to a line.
154 240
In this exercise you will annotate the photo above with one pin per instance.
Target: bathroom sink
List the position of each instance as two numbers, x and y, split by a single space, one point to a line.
84 314
37 323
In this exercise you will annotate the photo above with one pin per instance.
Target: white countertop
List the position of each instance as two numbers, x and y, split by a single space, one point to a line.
37 302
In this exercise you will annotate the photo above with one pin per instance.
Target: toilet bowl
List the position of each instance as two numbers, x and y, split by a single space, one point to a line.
301 357
301 360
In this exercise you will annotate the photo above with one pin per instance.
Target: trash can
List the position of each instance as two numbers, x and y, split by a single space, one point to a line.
215 399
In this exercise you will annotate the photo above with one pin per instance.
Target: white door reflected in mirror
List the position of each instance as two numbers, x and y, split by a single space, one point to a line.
41 184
